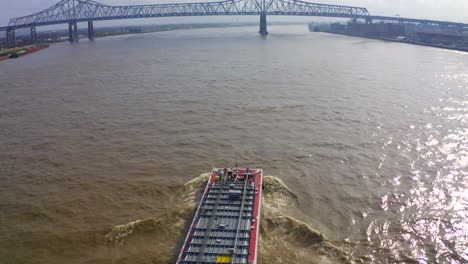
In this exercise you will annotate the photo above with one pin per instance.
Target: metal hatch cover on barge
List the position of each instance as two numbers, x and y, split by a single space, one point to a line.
225 228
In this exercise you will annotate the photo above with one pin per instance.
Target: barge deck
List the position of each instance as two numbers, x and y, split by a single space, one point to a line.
225 228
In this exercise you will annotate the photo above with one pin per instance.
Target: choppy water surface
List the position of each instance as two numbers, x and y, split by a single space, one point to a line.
371 137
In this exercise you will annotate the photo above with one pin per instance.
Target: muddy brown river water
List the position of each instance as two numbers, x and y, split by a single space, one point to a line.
370 137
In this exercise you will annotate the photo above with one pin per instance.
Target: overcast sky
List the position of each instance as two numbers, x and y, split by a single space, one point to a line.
451 10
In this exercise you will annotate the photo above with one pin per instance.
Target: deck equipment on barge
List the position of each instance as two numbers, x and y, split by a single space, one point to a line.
225 228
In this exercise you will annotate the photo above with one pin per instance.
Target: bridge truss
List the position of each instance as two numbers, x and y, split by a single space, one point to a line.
73 11
87 10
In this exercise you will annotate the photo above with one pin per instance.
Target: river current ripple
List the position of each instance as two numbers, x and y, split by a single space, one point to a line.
371 137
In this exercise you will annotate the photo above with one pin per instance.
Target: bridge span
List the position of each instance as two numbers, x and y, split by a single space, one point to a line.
73 11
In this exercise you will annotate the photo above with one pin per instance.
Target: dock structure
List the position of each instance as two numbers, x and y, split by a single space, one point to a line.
225 228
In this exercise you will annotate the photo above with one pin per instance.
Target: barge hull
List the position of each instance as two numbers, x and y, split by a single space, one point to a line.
225 228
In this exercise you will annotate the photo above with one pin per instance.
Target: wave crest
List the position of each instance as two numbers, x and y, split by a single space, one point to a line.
283 239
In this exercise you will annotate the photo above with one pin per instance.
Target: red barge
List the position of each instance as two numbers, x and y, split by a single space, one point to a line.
225 228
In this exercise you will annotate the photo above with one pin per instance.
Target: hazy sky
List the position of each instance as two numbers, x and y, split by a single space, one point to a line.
452 10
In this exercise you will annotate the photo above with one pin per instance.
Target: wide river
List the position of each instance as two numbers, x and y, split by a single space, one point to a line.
371 136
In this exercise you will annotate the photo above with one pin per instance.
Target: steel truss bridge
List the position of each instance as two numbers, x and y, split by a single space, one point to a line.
73 11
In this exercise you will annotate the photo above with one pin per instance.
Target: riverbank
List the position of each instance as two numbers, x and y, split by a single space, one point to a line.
463 49
19 52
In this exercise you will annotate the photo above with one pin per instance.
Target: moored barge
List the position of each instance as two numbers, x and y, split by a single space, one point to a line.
225 228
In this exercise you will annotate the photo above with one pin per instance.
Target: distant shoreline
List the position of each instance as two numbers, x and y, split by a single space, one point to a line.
60 36
397 40
21 51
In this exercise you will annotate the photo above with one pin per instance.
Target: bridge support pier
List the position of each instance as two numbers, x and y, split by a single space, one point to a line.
11 38
75 31
7 38
90 30
33 34
368 20
263 25
72 32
